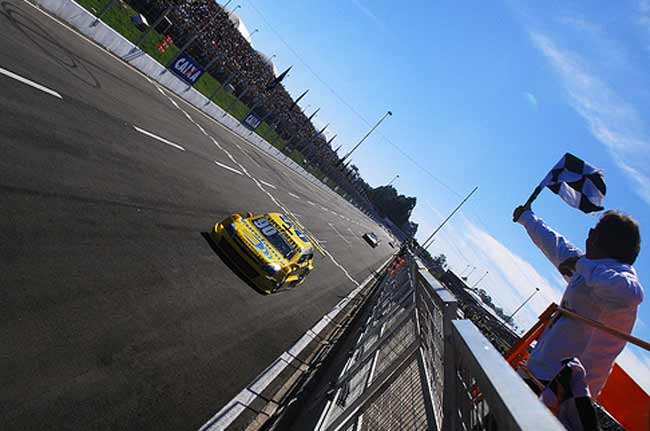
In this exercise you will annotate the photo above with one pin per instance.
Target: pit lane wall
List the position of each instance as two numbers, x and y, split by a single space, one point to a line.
82 20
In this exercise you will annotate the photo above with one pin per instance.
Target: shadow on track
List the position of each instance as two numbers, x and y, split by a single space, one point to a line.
228 261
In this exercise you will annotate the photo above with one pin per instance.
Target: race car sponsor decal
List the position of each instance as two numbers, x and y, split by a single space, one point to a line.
277 241
301 235
286 220
260 243
265 227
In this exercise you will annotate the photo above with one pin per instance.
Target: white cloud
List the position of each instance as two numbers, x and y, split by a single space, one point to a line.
531 99
611 120
370 14
517 278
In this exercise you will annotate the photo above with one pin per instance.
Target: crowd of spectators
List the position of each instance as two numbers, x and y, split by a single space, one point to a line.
237 61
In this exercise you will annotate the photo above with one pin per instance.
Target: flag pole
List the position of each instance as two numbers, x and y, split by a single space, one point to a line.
533 196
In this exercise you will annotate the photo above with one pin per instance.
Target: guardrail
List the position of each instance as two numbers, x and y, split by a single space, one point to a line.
415 365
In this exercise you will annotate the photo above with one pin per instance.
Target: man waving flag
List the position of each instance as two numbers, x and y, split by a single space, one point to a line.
601 300
578 183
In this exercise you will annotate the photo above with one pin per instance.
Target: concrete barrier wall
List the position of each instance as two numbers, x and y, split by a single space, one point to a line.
96 30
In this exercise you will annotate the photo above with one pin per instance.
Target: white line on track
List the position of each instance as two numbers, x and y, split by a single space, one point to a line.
231 158
248 155
338 233
216 143
231 169
29 82
294 196
163 140
187 115
173 102
323 208
268 184
311 203
244 170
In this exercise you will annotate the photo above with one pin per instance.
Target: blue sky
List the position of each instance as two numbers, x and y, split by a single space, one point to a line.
485 93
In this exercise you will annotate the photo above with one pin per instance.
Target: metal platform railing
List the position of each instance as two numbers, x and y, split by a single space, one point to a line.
416 366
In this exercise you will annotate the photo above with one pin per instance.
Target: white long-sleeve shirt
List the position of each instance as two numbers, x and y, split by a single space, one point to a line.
604 290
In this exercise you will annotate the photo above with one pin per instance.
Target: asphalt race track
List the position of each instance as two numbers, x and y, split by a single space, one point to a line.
116 312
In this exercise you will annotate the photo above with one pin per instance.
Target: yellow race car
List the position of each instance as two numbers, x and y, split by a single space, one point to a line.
271 250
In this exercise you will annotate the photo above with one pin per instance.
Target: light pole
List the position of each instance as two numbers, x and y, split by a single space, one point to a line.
226 5
394 178
469 273
480 279
461 273
254 31
524 303
429 241
365 137
234 9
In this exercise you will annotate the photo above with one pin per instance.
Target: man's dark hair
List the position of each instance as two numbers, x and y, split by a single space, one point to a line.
618 236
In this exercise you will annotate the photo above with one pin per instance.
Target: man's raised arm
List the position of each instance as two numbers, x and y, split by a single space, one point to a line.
554 246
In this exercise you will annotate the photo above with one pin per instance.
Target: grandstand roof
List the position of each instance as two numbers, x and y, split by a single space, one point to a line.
268 61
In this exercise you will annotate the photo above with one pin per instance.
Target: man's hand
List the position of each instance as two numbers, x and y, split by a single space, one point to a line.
568 267
519 211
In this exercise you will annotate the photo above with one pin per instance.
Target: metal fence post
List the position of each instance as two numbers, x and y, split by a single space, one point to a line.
152 26
103 12
449 402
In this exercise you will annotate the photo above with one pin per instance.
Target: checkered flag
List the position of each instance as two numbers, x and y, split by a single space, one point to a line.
576 182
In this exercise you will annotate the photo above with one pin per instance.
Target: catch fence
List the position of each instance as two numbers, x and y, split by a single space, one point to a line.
416 366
